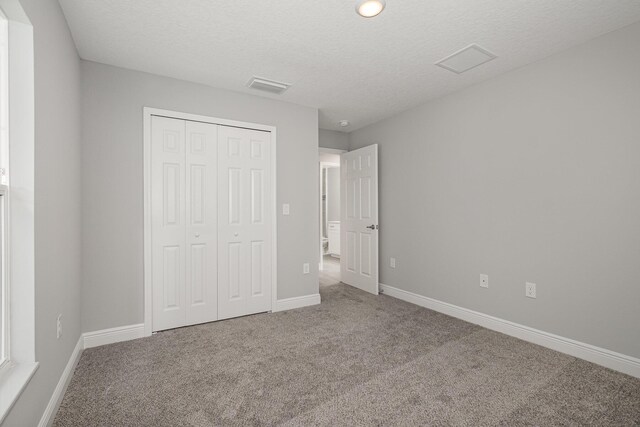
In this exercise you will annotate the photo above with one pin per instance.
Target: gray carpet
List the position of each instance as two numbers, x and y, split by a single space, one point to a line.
356 359
331 273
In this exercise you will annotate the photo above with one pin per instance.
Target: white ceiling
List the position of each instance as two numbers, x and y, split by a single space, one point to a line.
349 67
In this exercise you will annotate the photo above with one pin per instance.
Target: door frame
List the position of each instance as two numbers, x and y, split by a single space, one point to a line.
147 113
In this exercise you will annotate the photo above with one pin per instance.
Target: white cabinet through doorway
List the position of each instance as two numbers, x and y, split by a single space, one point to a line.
334 237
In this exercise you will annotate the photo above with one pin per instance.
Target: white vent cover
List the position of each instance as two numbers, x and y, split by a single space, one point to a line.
466 59
266 85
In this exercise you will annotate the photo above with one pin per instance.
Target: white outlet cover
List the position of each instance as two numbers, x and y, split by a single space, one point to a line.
392 262
484 281
305 268
285 209
530 290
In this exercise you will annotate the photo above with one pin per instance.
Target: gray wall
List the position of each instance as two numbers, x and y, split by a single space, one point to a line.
57 205
112 215
531 176
333 139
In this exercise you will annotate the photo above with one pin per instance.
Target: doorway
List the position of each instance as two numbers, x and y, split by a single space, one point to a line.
329 201
355 228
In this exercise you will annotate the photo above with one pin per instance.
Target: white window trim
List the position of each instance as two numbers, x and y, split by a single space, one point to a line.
4 158
5 350
19 204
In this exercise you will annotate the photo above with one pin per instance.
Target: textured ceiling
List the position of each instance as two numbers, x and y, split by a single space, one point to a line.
349 67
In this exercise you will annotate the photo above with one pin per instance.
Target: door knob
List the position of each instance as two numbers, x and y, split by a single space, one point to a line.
235 234
372 226
197 235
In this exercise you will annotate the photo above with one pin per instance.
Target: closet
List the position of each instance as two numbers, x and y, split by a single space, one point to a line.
211 222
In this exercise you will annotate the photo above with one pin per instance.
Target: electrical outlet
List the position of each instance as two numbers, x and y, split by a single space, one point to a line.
305 268
59 326
530 290
285 209
392 262
484 281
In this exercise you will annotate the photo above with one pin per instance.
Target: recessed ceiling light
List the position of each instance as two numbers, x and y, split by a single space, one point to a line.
370 8
344 123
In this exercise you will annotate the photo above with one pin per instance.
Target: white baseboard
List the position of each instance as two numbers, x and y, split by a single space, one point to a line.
610 359
58 393
296 302
113 335
86 340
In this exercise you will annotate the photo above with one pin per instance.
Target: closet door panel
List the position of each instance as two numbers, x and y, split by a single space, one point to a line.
168 221
244 239
260 219
201 224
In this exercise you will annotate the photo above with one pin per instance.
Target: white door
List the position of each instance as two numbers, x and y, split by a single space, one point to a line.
359 218
202 222
183 222
168 222
244 221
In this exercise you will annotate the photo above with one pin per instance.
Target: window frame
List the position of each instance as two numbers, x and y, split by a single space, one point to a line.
4 282
5 306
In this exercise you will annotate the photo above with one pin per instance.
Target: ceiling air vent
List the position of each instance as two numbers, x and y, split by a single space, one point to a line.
266 85
466 59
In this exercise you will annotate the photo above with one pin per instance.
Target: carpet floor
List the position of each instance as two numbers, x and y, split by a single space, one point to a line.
355 359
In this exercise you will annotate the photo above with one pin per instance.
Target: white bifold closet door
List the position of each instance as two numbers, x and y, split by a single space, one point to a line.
184 222
244 221
210 222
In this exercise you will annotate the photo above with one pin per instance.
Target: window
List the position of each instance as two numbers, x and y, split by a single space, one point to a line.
17 274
